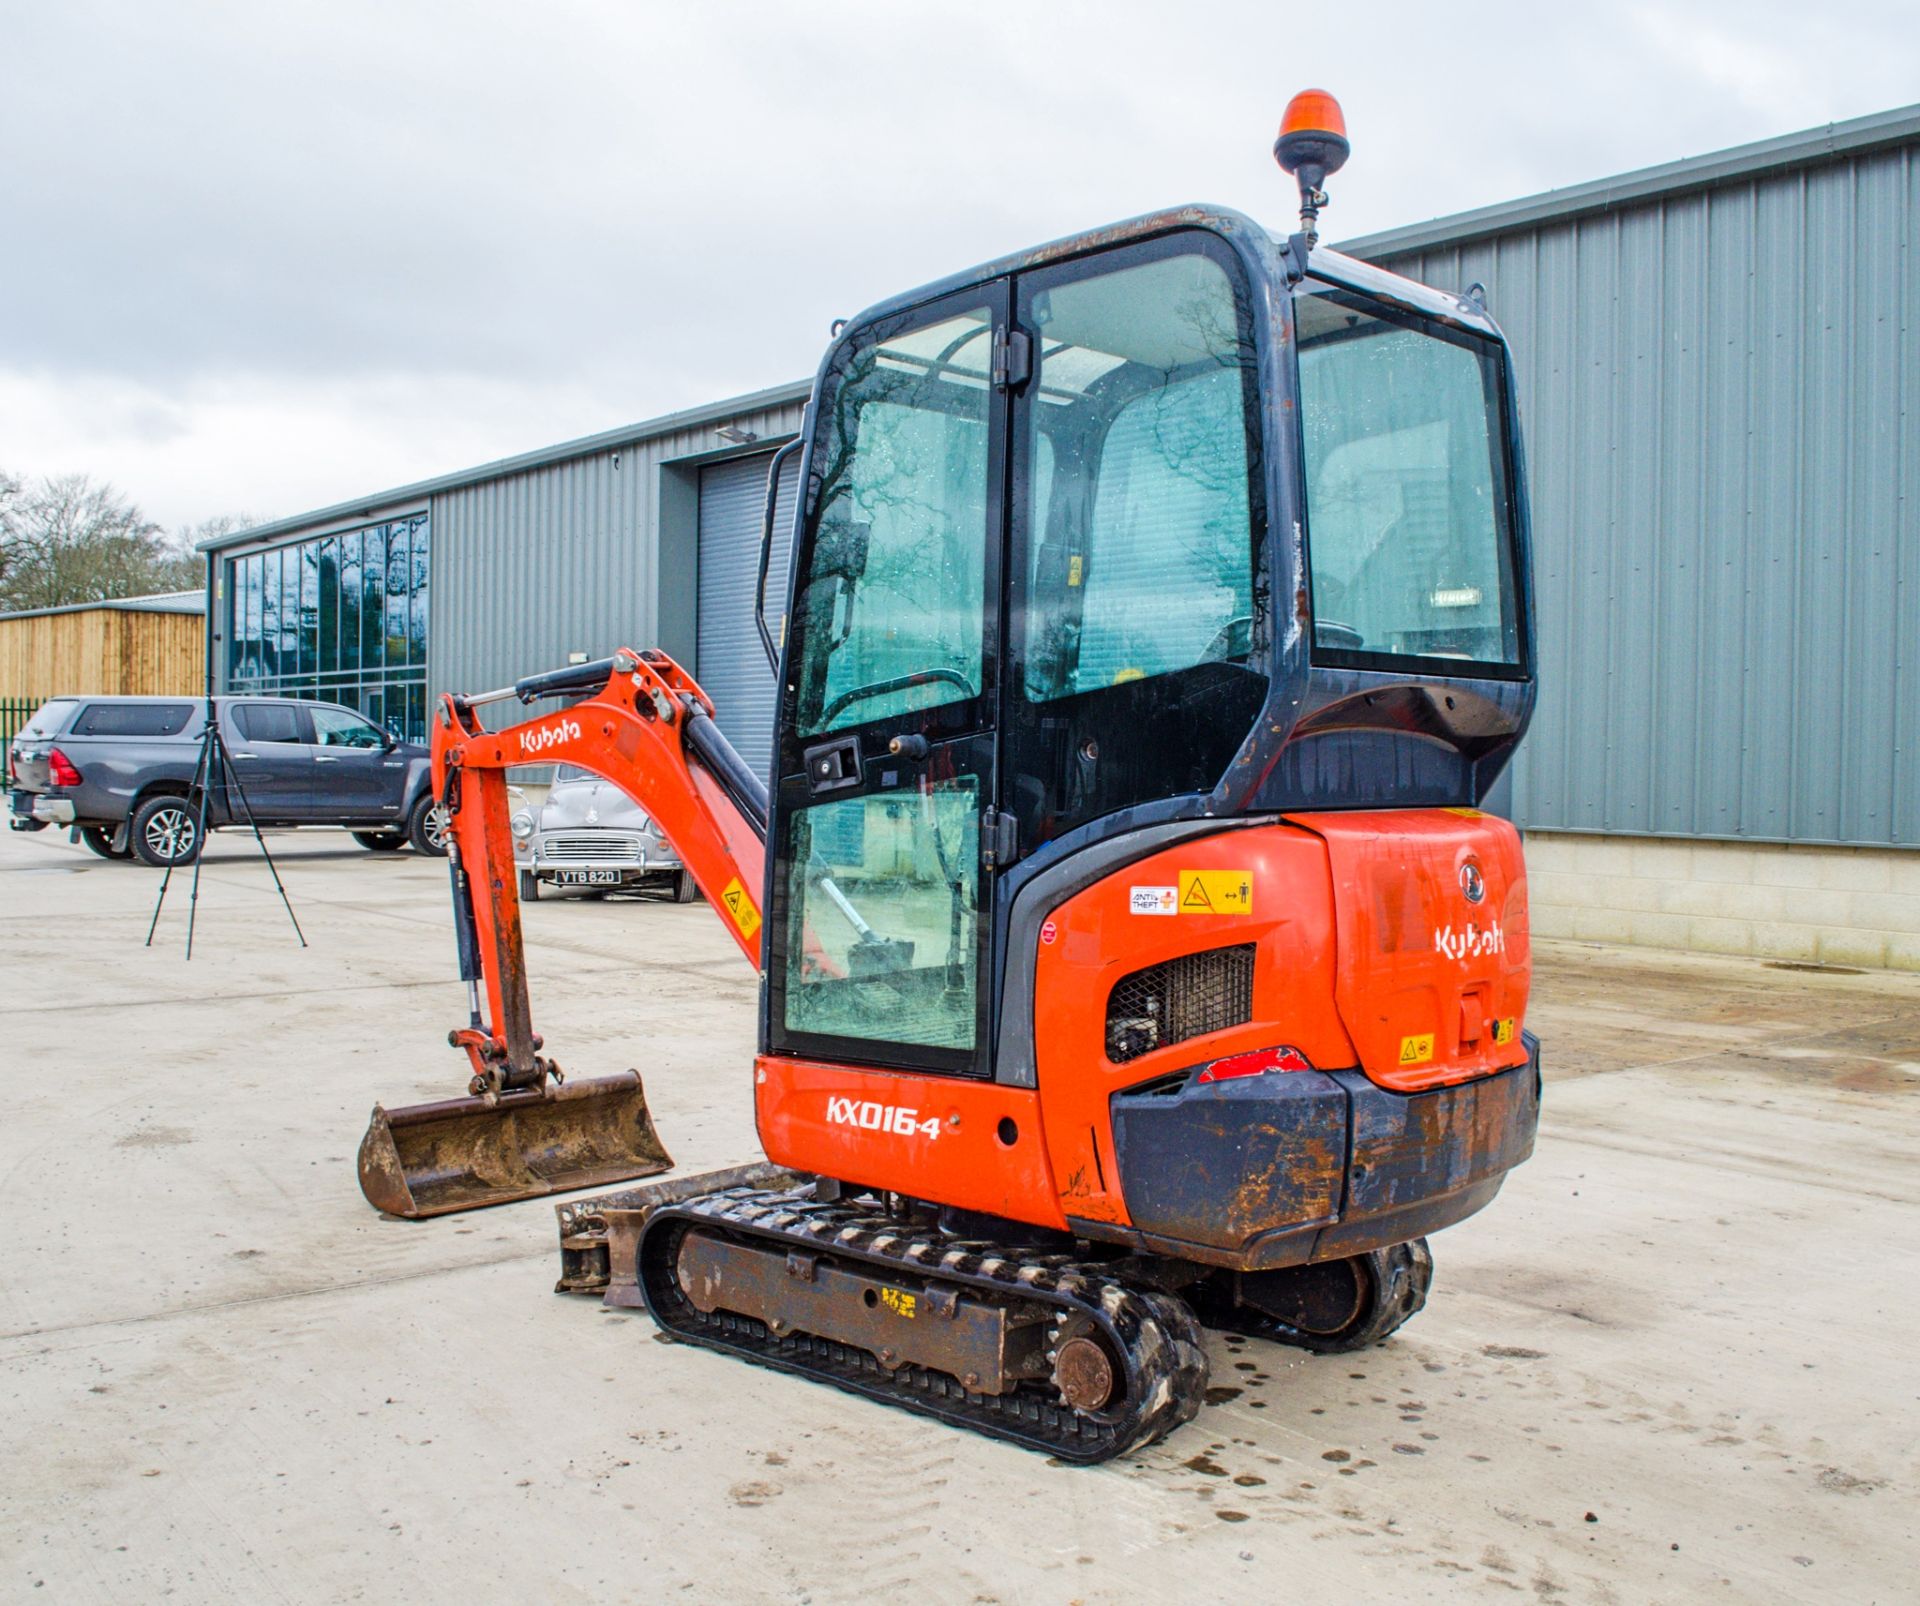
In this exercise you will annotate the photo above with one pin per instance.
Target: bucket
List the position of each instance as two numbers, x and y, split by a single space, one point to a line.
464 1154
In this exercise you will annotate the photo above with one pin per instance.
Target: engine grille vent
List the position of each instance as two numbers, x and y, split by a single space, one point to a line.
588 846
1179 998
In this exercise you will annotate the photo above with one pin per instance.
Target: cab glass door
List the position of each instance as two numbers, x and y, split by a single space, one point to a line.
886 764
1137 624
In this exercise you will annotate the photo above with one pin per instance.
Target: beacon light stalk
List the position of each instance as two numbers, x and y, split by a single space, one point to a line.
1312 145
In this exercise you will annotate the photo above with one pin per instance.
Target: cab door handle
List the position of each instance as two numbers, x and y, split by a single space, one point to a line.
833 766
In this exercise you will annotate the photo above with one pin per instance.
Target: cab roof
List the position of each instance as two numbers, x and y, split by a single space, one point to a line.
1257 245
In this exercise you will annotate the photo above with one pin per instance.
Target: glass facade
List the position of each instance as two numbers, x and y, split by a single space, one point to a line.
340 619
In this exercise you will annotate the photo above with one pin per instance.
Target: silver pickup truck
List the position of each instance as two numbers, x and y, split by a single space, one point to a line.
118 772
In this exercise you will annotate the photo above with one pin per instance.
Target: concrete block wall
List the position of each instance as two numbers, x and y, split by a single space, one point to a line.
1832 906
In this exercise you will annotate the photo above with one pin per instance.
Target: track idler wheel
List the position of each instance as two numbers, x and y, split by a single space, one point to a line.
1328 1307
1083 1368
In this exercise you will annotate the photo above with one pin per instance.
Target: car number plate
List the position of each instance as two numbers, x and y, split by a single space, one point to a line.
586 878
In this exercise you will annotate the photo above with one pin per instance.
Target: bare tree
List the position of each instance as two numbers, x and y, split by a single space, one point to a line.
69 538
185 568
10 490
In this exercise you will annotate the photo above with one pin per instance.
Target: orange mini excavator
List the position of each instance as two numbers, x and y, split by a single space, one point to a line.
1136 956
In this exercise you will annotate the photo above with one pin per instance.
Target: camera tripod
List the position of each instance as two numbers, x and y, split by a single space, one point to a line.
215 762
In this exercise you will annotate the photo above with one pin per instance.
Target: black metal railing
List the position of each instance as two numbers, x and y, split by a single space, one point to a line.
14 713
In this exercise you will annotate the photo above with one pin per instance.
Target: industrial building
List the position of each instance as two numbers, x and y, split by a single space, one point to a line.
1718 362
648 534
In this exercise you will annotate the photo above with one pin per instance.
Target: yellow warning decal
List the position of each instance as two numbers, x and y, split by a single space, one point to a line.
1503 1031
1467 814
1074 569
1216 892
899 1301
740 906
1416 1050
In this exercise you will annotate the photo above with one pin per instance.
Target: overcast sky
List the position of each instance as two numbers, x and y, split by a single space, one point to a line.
261 257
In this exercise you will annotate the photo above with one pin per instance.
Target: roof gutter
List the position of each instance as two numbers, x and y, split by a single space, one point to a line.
1808 148
586 446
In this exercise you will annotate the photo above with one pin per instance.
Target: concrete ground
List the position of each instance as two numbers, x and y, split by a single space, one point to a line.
1674 1361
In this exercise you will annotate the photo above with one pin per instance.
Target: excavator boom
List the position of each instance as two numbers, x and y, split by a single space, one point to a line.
523 1131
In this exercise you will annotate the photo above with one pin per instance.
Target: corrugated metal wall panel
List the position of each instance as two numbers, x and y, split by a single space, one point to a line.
1904 455
534 566
732 666
1719 397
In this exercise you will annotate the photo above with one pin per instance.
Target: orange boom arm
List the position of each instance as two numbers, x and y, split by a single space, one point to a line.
647 728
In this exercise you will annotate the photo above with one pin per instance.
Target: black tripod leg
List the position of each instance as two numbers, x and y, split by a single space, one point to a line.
202 771
239 791
200 833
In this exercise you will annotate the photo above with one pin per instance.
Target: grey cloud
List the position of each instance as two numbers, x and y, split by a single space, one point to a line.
661 204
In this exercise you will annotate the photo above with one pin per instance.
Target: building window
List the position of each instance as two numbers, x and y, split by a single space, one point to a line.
340 619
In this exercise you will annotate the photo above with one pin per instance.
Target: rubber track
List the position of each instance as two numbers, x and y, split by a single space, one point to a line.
1155 1333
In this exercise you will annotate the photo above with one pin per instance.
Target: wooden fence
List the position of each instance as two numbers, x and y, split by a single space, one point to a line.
139 652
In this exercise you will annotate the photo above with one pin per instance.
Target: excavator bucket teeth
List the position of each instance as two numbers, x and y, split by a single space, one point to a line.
463 1154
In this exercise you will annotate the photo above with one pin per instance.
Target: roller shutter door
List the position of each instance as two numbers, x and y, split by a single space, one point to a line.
731 665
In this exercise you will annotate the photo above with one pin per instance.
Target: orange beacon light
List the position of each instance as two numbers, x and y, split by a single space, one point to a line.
1312 144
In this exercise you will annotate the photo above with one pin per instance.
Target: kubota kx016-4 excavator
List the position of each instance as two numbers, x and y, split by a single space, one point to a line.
1135 955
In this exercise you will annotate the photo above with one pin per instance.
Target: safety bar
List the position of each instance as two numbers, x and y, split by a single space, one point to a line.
766 551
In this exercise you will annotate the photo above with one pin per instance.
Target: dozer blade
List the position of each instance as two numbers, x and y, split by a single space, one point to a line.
600 1236
463 1154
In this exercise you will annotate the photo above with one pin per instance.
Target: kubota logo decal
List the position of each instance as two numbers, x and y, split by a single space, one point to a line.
561 730
1471 943
870 1116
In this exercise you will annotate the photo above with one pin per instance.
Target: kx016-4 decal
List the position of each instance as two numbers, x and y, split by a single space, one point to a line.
871 1116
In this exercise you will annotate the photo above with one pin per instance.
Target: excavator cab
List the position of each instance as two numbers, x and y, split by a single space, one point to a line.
1137 954
1128 536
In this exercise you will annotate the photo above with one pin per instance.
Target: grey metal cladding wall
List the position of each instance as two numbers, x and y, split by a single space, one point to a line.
1719 397
731 664
532 566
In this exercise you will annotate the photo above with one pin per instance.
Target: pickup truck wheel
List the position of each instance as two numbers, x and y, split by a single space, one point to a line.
381 841
427 828
529 887
165 831
100 839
